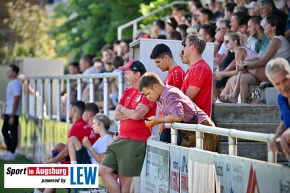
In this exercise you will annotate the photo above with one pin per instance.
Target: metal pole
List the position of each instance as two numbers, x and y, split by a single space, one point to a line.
233 145
49 106
121 84
34 98
135 28
173 136
79 89
91 82
106 96
199 139
58 111
67 99
272 155
27 97
42 97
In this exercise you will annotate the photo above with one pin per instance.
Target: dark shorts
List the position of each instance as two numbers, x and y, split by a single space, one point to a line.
125 156
83 156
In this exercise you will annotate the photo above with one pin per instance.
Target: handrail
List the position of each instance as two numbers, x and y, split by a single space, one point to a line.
135 21
232 134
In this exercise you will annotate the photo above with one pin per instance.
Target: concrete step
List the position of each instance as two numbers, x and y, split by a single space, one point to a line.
253 150
248 113
253 127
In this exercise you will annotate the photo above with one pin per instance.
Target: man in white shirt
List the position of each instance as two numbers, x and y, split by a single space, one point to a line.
13 110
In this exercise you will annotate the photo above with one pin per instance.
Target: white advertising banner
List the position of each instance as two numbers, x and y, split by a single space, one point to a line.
51 175
157 167
174 169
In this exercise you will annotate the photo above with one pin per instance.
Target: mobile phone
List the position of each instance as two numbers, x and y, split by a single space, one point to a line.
145 119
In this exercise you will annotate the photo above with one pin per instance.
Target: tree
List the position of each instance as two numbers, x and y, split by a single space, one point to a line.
90 24
31 26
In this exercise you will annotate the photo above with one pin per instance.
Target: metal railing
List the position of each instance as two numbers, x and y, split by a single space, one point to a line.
232 135
134 22
35 80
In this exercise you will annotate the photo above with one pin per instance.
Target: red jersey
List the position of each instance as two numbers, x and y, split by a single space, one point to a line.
81 129
133 129
175 77
200 75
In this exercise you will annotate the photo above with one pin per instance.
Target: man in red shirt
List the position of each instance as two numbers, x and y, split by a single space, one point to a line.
162 56
197 84
125 156
79 129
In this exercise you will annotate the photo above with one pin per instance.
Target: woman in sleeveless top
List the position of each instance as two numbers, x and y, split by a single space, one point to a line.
253 70
232 41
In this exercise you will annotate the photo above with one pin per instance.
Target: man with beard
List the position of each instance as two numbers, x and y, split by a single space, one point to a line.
256 30
125 155
278 72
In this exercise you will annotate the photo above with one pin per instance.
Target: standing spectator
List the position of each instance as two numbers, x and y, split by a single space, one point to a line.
278 70
13 110
162 56
125 156
197 83
175 107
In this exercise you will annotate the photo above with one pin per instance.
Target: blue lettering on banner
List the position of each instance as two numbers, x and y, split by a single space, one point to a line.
87 175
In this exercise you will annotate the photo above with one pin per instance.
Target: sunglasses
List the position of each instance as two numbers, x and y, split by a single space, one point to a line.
183 44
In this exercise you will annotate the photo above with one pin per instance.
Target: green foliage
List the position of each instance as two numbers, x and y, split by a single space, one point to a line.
90 24
31 25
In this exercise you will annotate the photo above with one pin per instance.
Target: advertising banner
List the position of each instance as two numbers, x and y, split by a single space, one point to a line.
157 167
51 175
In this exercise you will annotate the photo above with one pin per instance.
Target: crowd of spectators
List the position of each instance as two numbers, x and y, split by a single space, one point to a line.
260 28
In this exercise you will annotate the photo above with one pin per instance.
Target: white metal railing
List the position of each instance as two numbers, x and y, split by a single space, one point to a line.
134 22
232 135
34 81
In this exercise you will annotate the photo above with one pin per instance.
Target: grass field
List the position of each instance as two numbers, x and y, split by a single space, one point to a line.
19 160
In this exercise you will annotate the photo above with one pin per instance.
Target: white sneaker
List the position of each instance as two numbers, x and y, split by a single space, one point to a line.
9 157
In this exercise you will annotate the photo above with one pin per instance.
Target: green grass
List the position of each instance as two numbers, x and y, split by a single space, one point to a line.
19 160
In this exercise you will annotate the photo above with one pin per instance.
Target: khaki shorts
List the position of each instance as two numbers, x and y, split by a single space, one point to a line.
125 156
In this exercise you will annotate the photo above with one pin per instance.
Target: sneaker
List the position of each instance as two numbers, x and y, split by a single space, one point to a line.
9 157
4 153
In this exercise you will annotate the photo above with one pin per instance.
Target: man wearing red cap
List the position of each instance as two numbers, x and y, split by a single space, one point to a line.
125 156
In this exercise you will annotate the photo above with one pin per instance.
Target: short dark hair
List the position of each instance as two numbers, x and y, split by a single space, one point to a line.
274 20
159 23
92 108
256 19
207 12
88 58
244 20
160 50
117 61
14 68
230 7
209 29
148 80
75 64
174 35
198 42
80 106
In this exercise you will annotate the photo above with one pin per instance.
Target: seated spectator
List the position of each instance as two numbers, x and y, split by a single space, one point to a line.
229 10
98 63
232 41
182 30
249 41
173 35
157 28
177 13
84 152
205 16
170 24
253 70
207 32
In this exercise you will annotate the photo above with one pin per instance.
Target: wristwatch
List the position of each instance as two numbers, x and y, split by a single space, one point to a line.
90 148
245 66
